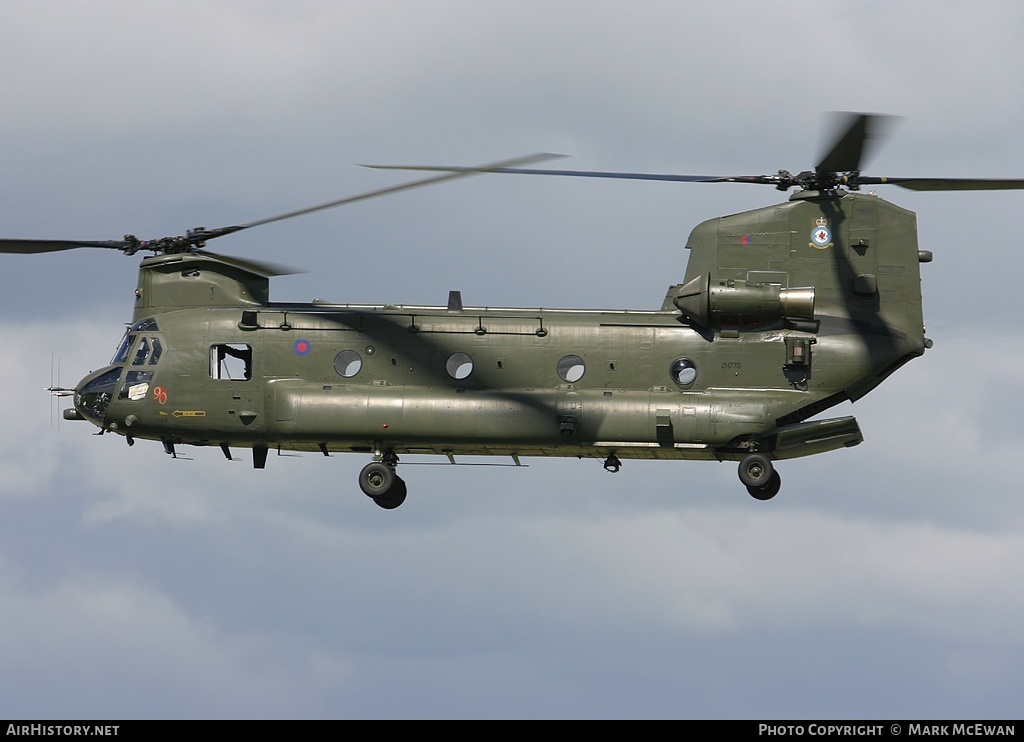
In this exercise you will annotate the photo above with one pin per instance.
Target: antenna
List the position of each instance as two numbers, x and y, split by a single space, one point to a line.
56 391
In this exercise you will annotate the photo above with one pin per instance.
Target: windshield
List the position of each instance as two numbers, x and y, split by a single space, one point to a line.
122 350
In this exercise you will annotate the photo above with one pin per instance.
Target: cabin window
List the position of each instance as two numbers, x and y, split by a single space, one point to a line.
154 356
231 361
683 371
571 368
348 363
459 366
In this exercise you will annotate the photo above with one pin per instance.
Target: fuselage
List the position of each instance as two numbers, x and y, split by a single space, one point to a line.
723 368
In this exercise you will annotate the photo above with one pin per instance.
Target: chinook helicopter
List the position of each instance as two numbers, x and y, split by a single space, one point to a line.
783 313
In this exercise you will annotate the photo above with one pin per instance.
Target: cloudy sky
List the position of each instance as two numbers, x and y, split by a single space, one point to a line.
884 581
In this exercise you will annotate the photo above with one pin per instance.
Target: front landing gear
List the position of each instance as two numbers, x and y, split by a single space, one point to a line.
378 481
759 476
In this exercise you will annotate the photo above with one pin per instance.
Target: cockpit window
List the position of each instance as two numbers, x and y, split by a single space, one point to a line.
148 349
143 325
142 352
136 385
122 350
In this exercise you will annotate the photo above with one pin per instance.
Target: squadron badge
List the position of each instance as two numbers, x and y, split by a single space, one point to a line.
821 235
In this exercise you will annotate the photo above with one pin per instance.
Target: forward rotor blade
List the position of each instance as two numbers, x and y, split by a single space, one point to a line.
198 237
31 247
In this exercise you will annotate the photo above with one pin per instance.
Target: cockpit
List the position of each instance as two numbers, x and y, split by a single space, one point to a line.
144 325
139 351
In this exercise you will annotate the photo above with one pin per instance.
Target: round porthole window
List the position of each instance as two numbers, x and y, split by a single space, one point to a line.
348 363
571 368
683 371
459 366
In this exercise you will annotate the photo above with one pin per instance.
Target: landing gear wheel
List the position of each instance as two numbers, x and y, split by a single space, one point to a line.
756 470
376 479
767 491
395 497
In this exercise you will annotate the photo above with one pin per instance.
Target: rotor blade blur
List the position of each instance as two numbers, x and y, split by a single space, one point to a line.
31 247
855 135
255 266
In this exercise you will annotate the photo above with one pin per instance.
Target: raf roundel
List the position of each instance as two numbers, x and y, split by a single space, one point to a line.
302 347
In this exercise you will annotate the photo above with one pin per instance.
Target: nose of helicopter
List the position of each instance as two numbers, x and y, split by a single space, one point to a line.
93 394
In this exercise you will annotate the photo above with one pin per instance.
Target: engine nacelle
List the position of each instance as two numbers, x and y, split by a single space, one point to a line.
702 300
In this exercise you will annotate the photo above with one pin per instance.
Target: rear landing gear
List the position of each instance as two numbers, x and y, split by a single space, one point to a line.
379 482
767 491
759 476
394 497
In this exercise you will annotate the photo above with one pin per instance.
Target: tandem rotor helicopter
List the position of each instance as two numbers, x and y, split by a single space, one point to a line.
783 312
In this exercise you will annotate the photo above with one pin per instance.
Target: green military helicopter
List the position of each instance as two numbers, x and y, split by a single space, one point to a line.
783 313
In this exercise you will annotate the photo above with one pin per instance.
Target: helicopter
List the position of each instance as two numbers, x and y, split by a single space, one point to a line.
783 313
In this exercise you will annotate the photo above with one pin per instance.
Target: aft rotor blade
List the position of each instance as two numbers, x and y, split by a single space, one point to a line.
574 173
947 184
857 132
539 157
31 247
782 180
